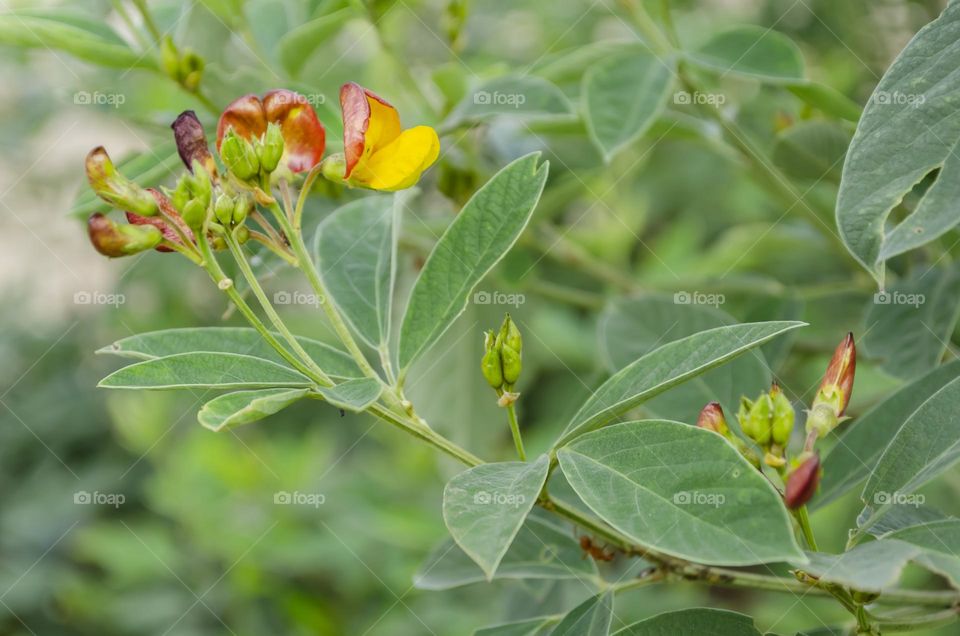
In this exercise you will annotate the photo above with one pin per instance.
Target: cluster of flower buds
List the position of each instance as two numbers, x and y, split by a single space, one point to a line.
503 360
768 421
258 139
185 68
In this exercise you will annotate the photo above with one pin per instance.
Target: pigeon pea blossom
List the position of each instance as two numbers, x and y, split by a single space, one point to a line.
302 133
377 154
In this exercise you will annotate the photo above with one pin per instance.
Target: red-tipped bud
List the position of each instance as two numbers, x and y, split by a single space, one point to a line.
837 385
802 482
114 188
115 240
159 222
712 419
192 142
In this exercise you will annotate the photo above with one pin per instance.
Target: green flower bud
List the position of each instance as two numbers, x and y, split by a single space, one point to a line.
114 240
116 189
223 209
194 214
512 363
491 365
783 416
239 156
271 150
243 234
181 194
200 185
822 418
334 167
758 422
511 335
191 70
241 210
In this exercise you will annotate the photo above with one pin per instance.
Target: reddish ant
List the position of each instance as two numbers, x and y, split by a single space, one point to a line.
596 551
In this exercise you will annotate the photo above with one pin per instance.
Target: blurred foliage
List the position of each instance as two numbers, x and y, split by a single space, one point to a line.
198 545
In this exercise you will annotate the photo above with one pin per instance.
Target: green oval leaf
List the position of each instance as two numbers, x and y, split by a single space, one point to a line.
857 450
622 97
681 490
927 444
668 366
204 370
242 340
243 407
591 618
485 506
701 621
540 550
355 250
907 131
483 232
752 51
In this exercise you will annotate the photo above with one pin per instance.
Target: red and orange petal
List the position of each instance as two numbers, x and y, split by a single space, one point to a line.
158 221
369 123
304 137
841 371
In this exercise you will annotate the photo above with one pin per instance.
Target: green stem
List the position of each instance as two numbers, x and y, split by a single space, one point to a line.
271 313
427 434
515 431
804 520
307 267
148 20
930 621
225 284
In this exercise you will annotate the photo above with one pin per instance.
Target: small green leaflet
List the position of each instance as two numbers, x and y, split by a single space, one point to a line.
485 506
204 370
244 407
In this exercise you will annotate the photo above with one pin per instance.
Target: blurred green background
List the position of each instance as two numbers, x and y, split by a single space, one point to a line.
197 545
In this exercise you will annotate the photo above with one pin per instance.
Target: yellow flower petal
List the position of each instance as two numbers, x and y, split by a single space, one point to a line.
400 163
